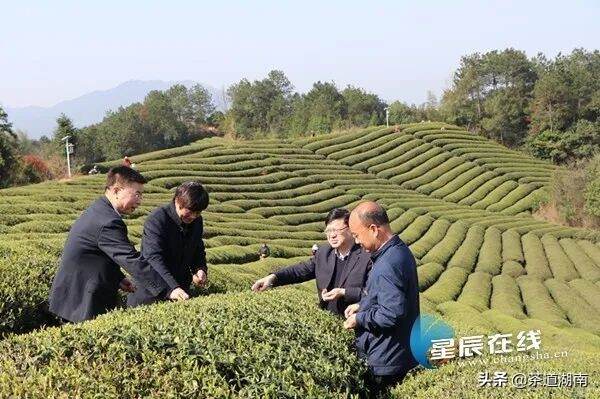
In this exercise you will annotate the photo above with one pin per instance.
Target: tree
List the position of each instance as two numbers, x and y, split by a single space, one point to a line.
568 90
491 93
578 143
159 121
400 112
363 109
9 157
261 106
191 106
325 108
64 127
34 170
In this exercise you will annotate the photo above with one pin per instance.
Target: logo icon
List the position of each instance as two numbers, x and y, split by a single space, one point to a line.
425 329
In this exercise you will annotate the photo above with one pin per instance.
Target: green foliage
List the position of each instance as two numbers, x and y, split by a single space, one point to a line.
363 109
579 312
320 110
448 286
567 91
538 302
491 93
561 266
536 263
192 106
271 345
260 106
506 297
592 188
8 151
580 142
477 291
464 209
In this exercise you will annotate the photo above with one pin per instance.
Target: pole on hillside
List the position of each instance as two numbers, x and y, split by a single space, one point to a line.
69 151
387 116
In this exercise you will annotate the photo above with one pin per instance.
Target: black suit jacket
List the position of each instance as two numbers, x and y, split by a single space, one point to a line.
88 278
321 267
175 250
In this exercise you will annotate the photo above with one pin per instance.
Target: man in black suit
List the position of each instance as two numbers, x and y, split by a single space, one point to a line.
89 275
340 268
172 242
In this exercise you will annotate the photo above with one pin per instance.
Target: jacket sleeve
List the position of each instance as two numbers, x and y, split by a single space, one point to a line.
353 294
390 307
154 247
200 253
298 273
114 243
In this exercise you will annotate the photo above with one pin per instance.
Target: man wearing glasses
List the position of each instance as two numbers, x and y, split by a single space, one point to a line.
340 267
172 244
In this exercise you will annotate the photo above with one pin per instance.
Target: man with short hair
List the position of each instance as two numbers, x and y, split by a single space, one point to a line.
384 317
340 268
89 275
172 243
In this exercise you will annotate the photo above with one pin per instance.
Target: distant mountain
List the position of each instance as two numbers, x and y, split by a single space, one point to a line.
92 107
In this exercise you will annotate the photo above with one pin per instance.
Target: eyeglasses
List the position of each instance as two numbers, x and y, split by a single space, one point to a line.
329 232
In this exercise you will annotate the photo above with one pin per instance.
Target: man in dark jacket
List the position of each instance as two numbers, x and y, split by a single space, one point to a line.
89 275
340 268
172 243
384 317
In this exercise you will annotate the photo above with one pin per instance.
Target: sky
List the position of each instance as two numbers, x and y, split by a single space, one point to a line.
52 51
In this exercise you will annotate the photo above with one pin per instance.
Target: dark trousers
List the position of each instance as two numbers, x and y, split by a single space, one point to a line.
380 385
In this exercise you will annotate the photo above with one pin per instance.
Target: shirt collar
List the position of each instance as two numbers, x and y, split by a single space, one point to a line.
347 254
392 241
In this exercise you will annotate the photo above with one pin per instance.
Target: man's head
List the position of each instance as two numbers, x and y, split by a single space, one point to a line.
124 188
336 229
370 225
190 200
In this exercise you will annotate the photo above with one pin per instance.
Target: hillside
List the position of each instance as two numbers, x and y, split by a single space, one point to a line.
461 202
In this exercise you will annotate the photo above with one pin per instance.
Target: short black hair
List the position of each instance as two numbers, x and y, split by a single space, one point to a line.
123 175
191 195
378 217
337 213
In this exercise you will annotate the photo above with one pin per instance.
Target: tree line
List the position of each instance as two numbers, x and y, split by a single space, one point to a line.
547 107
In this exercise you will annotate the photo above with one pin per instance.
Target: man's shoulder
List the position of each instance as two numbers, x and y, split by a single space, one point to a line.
100 212
95 218
322 254
361 252
159 214
396 260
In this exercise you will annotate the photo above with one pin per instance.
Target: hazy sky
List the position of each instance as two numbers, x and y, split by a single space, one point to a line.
57 50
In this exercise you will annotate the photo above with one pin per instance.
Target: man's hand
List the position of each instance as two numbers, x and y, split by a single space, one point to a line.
178 294
350 322
335 293
199 278
351 309
126 285
263 283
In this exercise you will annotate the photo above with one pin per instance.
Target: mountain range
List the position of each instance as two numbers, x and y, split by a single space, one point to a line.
91 108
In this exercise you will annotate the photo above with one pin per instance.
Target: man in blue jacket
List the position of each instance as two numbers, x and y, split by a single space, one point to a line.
172 243
384 317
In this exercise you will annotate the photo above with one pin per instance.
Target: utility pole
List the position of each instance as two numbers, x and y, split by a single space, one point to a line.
387 116
69 151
